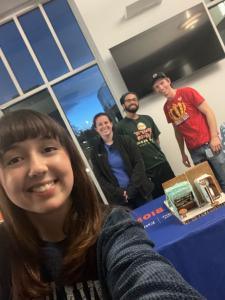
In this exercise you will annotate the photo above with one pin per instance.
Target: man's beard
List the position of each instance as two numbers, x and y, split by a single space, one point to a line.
132 108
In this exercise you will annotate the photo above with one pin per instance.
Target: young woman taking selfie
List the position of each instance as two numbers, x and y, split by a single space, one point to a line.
57 240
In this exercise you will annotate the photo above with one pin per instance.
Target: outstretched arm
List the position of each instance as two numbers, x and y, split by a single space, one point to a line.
180 141
215 142
130 267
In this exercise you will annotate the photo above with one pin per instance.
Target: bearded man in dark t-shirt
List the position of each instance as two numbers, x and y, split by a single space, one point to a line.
143 130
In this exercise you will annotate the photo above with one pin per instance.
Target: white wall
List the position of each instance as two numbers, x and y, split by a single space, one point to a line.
105 22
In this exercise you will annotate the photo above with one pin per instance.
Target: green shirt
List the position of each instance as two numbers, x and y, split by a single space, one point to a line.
145 133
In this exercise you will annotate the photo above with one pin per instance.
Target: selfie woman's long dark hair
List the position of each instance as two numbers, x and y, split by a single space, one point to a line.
82 225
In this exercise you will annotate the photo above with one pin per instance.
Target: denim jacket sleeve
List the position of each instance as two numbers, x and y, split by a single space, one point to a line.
129 268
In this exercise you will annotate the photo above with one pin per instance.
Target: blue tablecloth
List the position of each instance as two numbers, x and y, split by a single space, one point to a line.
196 249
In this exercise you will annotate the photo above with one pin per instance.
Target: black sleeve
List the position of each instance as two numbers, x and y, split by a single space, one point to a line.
138 175
112 192
138 167
131 269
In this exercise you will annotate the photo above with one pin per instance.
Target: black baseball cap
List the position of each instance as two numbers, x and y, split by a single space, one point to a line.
156 76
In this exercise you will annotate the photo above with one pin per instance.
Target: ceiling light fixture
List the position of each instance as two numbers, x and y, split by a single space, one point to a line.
190 23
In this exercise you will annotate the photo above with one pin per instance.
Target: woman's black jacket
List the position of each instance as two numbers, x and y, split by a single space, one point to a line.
134 166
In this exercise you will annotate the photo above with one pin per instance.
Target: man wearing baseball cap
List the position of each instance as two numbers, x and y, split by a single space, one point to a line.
194 124
143 130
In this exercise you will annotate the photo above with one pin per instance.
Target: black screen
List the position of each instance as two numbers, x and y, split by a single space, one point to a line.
178 46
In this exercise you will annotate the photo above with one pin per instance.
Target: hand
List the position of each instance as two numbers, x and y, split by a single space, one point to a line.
125 196
215 144
186 161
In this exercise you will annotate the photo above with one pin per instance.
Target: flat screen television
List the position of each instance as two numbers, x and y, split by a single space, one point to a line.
178 46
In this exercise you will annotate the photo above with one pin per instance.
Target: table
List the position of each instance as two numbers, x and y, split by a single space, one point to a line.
196 249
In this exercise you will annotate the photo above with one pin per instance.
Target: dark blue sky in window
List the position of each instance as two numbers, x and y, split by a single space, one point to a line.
19 57
80 98
43 44
68 32
7 88
82 95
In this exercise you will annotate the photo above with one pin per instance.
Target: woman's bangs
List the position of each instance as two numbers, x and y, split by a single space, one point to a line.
14 131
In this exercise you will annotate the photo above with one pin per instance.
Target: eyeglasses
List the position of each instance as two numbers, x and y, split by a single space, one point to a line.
135 99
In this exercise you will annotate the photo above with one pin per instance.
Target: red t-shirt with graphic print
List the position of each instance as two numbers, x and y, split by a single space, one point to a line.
182 111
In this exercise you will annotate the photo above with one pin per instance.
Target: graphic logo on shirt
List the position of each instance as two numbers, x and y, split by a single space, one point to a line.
141 126
177 112
144 134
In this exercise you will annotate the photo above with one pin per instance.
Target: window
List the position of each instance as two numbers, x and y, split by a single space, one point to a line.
18 57
47 65
41 102
67 29
43 44
81 97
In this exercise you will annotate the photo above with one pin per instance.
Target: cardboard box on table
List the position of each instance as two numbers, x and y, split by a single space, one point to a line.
191 175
